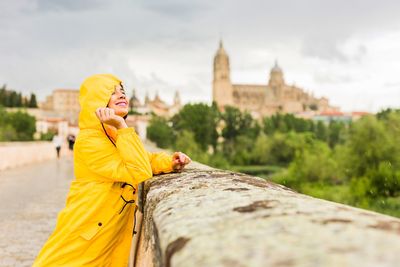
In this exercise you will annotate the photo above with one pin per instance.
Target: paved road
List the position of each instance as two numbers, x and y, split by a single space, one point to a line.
30 198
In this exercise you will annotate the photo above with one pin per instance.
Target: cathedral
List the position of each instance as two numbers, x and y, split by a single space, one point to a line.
262 100
156 105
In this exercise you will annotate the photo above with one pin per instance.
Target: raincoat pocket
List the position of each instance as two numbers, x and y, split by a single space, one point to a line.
102 217
95 226
90 231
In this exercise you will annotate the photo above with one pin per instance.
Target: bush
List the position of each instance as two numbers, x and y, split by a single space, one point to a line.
280 148
314 163
16 126
160 132
187 144
201 120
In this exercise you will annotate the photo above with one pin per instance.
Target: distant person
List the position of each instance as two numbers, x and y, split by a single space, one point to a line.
71 141
97 224
57 142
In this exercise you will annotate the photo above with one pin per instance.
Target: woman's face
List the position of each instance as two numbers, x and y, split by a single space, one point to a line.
118 102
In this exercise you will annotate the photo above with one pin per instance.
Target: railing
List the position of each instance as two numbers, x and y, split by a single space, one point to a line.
16 154
210 217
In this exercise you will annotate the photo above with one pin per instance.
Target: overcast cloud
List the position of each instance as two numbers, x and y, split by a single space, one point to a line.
347 51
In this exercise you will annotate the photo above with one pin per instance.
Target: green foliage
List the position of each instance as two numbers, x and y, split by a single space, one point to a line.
239 151
160 132
201 120
279 148
384 181
218 160
11 98
369 144
16 126
335 133
239 132
314 163
47 136
7 133
321 131
383 114
373 159
32 101
238 123
187 144
285 123
263 170
356 163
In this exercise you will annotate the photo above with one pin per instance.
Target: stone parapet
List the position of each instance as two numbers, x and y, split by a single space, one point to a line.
16 154
210 217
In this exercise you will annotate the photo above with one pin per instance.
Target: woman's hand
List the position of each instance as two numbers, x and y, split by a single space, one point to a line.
179 160
107 116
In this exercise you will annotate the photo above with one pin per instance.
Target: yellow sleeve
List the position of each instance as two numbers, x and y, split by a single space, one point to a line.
126 162
160 162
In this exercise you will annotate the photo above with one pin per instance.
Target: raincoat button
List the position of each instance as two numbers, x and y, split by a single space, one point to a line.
100 224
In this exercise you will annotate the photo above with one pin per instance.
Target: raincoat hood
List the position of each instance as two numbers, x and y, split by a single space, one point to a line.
95 92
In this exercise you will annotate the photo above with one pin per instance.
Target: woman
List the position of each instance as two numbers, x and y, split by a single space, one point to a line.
95 227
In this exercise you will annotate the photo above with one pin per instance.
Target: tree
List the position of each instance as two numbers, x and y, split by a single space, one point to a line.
374 156
261 151
187 144
238 123
201 120
16 126
32 101
160 132
313 163
280 148
321 131
285 123
335 133
24 125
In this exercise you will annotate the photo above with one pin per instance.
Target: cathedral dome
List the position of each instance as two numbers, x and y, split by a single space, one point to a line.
276 68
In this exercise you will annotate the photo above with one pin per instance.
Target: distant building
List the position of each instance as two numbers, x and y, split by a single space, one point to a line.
62 100
329 116
141 119
64 103
59 125
157 105
262 100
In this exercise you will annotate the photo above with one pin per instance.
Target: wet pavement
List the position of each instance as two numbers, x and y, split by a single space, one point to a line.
30 199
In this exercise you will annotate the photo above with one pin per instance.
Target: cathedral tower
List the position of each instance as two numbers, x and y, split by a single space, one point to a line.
276 81
177 98
222 86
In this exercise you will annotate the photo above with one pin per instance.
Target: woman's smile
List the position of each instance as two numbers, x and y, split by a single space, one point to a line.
121 103
118 102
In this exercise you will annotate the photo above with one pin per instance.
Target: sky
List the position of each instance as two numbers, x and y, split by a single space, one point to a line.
345 50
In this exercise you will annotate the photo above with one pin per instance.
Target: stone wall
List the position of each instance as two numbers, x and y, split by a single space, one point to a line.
210 217
15 154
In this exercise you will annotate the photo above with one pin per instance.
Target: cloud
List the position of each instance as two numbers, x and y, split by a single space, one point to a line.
332 78
167 45
50 5
179 9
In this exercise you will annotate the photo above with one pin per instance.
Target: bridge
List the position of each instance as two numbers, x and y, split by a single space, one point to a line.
203 217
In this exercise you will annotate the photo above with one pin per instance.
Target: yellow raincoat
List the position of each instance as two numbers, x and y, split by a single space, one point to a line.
95 228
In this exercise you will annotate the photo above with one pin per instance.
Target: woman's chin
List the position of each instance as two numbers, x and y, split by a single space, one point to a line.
121 112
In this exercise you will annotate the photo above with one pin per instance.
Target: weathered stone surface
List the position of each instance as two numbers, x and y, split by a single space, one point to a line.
209 217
